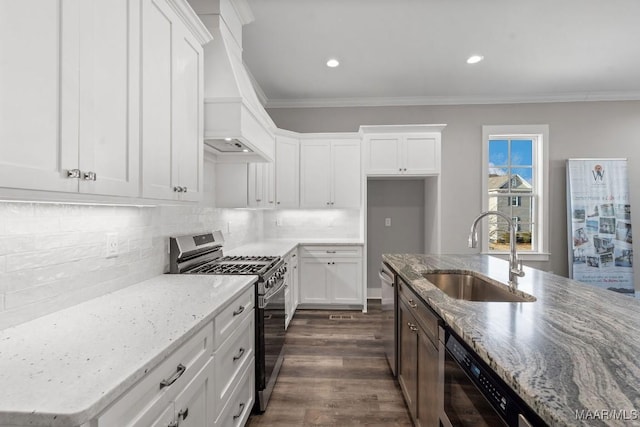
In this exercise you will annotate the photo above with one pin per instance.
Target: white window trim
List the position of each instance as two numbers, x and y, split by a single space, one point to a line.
542 183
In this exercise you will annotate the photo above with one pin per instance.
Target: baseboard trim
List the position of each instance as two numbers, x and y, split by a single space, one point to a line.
374 293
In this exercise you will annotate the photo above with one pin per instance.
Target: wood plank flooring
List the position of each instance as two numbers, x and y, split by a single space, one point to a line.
334 374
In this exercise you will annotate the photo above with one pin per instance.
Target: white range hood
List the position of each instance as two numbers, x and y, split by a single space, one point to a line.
236 126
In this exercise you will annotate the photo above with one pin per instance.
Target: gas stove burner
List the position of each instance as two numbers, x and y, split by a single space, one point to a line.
246 258
222 267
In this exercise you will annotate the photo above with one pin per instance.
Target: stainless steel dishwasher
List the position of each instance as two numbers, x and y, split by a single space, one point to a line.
389 313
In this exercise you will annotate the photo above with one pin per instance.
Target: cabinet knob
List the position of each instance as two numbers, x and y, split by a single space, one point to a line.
239 355
278 203
270 201
177 189
258 200
74 173
89 176
328 203
413 304
400 169
184 413
405 169
184 189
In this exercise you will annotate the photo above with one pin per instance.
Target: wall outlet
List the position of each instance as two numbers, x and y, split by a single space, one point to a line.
228 227
387 222
112 245
278 222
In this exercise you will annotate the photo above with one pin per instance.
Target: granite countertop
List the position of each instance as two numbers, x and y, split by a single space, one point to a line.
574 349
64 368
281 247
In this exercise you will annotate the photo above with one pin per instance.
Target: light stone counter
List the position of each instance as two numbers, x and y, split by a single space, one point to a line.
280 247
64 368
576 348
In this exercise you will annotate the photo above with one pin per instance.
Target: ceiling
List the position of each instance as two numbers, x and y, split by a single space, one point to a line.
413 52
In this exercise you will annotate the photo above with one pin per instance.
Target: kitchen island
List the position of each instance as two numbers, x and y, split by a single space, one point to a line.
570 354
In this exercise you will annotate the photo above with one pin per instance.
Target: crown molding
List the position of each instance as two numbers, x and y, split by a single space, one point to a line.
191 20
450 100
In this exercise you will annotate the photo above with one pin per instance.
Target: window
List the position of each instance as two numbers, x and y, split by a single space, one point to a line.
515 169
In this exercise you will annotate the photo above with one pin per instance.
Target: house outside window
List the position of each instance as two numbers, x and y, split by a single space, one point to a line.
515 168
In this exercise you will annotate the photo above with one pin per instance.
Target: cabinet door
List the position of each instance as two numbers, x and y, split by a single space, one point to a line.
255 187
383 155
39 94
315 167
109 96
346 280
427 387
345 174
158 175
421 155
269 185
187 146
287 172
165 419
314 281
192 405
408 357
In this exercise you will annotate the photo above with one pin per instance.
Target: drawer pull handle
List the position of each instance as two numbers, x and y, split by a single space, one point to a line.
183 413
413 327
413 304
241 406
239 310
240 353
179 371
331 252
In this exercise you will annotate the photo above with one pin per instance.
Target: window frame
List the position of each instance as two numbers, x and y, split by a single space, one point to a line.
540 136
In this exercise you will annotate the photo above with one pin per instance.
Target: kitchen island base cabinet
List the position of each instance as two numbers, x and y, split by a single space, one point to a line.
331 276
418 358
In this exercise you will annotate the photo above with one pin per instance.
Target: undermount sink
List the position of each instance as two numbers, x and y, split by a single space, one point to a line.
470 287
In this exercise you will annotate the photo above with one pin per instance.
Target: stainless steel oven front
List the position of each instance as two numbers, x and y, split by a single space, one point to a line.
270 334
472 395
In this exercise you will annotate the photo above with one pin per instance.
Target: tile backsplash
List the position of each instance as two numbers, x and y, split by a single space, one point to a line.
312 223
55 255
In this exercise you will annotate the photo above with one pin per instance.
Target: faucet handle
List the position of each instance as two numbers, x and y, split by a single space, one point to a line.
519 271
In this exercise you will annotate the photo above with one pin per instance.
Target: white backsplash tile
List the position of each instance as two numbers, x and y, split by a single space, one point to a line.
54 255
312 223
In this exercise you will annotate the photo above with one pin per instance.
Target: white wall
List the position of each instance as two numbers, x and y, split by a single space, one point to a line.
53 255
582 129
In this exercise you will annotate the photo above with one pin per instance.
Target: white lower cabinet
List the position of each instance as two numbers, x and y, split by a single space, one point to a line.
331 275
291 286
208 381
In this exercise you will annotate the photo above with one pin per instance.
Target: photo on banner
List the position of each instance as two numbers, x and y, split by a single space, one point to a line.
599 224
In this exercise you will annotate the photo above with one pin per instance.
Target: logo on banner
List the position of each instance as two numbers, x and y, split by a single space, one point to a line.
598 173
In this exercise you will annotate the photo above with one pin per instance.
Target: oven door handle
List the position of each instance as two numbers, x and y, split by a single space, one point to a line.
271 295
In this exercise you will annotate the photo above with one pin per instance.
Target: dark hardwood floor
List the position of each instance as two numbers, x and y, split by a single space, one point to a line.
334 374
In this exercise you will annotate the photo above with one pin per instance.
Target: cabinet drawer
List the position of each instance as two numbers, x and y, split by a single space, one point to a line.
231 359
162 384
330 251
426 318
237 410
234 314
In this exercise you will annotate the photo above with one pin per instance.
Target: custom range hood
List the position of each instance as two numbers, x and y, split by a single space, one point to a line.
236 126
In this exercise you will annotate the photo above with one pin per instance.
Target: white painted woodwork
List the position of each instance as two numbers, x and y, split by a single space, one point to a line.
166 418
314 281
232 186
261 193
192 407
402 149
109 96
237 410
39 94
329 173
291 291
172 149
287 175
331 275
346 280
345 174
69 96
315 167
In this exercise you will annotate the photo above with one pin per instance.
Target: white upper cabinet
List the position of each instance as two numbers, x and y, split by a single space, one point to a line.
83 81
172 88
261 185
402 150
287 174
330 173
69 96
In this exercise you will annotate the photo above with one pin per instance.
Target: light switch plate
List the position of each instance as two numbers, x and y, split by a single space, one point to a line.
112 245
387 222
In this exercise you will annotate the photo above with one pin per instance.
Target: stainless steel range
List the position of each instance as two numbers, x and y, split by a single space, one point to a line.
202 254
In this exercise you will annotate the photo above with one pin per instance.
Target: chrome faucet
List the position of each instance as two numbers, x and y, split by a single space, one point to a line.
515 265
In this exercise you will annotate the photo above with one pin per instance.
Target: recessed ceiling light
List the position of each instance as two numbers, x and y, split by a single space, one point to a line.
333 63
474 59
228 139
245 150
